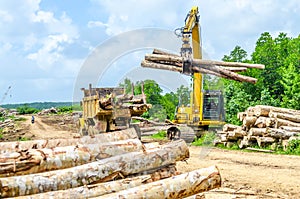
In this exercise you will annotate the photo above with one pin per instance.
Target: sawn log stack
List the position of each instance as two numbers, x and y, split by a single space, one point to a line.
263 126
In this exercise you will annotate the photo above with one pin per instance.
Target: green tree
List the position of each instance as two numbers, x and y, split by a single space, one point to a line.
127 85
183 94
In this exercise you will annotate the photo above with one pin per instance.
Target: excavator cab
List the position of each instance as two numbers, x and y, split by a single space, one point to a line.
213 105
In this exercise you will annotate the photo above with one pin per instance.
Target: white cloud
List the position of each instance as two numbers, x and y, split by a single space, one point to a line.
50 53
5 16
92 24
43 16
132 14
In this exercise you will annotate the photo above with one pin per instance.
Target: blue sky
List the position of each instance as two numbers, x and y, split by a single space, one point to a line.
44 44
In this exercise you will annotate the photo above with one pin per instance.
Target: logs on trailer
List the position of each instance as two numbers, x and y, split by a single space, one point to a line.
262 126
40 160
167 61
40 144
98 171
180 186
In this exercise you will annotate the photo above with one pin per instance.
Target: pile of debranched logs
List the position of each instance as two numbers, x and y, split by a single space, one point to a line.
108 165
262 126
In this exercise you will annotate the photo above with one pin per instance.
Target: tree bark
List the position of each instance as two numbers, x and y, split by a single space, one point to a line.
40 144
279 133
270 122
246 141
231 127
249 121
241 115
285 116
261 122
165 55
100 189
264 110
99 171
180 186
262 141
282 122
40 160
218 68
235 135
257 131
290 128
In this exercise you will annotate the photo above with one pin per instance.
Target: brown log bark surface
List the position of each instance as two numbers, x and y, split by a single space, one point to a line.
99 171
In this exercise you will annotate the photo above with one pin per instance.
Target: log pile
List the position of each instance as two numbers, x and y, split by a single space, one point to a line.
109 165
263 126
172 62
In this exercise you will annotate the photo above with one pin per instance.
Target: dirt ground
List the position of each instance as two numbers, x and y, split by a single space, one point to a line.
256 174
244 174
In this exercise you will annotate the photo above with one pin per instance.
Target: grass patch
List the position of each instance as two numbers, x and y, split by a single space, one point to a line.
23 139
206 140
160 135
1 135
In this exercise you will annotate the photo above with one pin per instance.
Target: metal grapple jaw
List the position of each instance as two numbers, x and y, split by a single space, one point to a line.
186 54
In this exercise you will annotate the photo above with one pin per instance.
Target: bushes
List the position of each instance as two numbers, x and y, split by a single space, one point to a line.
26 110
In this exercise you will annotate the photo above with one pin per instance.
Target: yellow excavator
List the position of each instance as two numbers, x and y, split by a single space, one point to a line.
206 107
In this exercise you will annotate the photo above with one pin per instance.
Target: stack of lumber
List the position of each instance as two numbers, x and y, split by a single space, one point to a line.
108 165
262 126
172 62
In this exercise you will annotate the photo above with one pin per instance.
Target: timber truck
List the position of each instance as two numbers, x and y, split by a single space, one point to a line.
109 109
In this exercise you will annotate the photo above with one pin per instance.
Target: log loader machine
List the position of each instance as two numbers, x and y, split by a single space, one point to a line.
206 106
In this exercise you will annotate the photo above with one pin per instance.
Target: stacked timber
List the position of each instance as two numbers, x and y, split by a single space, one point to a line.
262 125
172 62
109 165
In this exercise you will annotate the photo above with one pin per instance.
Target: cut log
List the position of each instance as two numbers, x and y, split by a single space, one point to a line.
261 122
40 144
241 115
263 141
270 122
180 186
279 133
99 171
40 160
290 128
260 150
235 69
209 62
263 110
257 131
100 189
246 141
174 63
281 122
222 71
249 121
285 116
235 135
231 127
